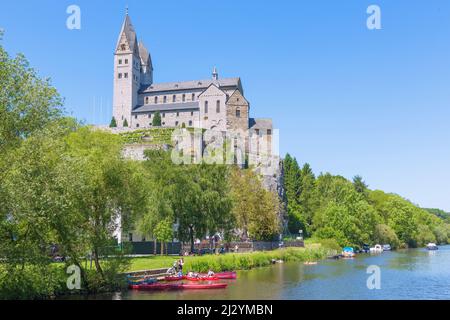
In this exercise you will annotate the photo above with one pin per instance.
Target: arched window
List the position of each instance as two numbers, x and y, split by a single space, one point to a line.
123 47
193 97
156 100
218 106
238 113
184 97
165 99
174 98
206 106
146 100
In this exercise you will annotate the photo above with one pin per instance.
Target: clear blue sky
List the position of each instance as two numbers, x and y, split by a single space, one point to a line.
346 99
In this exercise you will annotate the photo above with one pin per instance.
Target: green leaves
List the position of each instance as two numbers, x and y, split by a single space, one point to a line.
156 122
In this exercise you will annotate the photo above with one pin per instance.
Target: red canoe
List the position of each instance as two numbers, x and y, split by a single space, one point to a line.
173 278
223 275
155 286
201 278
204 286
182 286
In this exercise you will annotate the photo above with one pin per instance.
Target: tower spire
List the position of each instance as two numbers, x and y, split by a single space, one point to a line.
215 75
126 10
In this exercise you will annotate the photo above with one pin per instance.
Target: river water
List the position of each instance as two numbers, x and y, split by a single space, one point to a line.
404 274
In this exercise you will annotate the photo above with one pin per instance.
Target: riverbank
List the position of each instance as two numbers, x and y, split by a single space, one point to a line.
232 261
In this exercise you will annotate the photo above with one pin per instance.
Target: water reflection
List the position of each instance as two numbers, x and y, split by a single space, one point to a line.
406 274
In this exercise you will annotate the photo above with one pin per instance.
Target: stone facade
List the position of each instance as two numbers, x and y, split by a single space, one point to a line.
214 103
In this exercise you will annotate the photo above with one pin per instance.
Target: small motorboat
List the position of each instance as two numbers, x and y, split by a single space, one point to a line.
387 247
348 252
310 263
377 249
432 246
365 248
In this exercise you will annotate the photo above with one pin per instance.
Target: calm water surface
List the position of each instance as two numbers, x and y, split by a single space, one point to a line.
406 274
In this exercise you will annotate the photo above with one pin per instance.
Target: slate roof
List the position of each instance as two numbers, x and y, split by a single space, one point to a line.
128 30
146 59
260 123
192 85
167 107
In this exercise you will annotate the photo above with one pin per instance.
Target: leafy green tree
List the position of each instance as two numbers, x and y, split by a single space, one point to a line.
113 123
164 232
205 206
125 123
255 208
107 190
385 235
292 186
360 186
424 235
27 102
308 200
156 122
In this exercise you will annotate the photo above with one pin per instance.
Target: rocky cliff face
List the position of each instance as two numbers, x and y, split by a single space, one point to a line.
274 182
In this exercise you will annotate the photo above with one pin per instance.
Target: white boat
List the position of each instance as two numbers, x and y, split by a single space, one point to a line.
387 247
377 249
432 246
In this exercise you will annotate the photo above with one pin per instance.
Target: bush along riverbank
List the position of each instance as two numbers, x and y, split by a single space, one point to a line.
246 261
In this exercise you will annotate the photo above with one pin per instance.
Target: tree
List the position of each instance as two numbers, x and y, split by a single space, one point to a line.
156 122
255 208
385 235
307 198
27 102
113 123
107 189
163 232
292 186
205 206
125 123
360 185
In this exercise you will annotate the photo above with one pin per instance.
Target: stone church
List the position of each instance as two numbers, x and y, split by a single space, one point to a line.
214 103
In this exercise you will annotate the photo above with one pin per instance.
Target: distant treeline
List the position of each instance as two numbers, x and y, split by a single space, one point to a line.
349 212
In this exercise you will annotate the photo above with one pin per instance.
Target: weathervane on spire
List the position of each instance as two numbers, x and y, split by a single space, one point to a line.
126 10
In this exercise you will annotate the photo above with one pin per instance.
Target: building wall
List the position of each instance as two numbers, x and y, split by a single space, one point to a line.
212 116
168 119
237 102
149 98
125 89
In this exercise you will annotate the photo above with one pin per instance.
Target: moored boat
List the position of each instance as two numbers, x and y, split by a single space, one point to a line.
348 252
189 286
173 278
387 247
177 286
377 249
432 246
223 275
201 278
